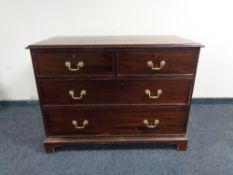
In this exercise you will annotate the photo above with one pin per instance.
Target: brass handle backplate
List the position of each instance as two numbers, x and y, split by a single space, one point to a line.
80 64
82 93
75 123
150 64
148 93
151 125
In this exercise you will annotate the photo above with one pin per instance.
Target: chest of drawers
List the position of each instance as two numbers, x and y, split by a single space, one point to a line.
109 90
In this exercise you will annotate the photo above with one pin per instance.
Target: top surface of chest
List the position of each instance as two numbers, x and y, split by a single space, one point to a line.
115 42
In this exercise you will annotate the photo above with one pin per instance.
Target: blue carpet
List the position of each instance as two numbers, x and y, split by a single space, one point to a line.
210 150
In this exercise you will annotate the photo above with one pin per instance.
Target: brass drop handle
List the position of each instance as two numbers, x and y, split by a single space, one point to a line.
80 64
150 64
148 93
151 125
82 93
75 123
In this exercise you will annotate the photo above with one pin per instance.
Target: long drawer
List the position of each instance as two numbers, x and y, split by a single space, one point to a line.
81 92
115 120
74 64
156 62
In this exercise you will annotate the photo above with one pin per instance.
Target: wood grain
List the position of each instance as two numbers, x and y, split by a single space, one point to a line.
51 143
178 61
56 92
114 42
52 63
115 120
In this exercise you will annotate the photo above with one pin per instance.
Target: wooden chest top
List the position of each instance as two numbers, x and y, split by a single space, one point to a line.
115 42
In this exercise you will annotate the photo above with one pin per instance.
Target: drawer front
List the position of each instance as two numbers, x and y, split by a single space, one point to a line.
93 63
115 120
81 92
150 63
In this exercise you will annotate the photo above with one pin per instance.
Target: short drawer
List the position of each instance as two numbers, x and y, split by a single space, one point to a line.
149 63
115 120
82 92
80 63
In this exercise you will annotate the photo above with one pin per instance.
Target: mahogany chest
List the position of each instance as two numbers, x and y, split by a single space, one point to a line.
115 89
